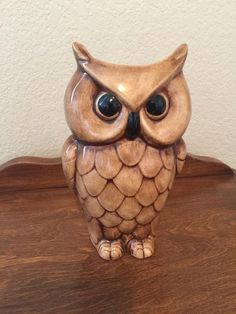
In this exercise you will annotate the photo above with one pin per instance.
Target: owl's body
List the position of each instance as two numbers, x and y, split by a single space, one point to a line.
122 187
122 181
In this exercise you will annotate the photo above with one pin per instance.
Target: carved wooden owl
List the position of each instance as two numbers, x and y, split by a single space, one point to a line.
127 124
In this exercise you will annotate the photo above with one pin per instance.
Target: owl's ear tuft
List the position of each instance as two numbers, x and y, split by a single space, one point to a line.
179 56
80 52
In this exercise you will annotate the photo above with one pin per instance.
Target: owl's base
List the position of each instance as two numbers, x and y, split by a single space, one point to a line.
141 248
112 250
48 264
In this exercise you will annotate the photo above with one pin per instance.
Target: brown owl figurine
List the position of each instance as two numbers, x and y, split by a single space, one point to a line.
126 146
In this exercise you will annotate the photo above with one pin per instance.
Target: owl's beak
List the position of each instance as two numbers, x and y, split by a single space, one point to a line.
133 124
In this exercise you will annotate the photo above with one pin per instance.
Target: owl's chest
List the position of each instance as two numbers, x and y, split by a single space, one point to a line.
125 183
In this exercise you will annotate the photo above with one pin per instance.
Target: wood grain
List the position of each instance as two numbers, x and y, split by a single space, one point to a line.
48 265
28 173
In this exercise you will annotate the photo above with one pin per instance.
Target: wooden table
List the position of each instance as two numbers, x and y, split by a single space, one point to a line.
47 264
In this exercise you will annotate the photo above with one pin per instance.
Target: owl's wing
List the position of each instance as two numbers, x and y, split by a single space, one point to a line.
69 156
181 152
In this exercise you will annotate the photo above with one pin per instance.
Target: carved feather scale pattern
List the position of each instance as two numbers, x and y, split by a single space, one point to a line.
123 186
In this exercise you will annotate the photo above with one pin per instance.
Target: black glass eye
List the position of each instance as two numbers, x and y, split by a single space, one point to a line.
107 106
157 106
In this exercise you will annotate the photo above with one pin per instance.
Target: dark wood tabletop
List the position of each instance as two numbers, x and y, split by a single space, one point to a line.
48 265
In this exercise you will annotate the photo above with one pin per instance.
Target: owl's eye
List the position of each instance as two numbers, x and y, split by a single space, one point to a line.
157 107
107 106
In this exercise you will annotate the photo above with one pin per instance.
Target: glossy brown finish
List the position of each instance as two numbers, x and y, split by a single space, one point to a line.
100 160
132 86
48 265
114 186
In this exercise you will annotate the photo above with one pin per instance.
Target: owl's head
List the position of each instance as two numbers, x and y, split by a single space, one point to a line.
105 102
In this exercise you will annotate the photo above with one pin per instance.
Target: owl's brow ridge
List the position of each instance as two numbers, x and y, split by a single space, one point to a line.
120 95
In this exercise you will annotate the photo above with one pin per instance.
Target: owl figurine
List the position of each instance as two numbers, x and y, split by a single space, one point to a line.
126 147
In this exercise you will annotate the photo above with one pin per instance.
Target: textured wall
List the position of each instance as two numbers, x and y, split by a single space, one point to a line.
36 63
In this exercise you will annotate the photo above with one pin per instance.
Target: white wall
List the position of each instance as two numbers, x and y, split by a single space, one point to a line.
36 63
